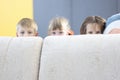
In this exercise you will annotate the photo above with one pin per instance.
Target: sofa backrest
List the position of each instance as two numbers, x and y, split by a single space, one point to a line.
91 57
19 58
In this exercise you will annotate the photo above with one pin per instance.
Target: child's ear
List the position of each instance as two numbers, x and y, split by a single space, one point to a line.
16 34
70 32
36 34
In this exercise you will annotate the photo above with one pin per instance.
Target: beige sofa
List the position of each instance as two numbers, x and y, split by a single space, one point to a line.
19 58
80 57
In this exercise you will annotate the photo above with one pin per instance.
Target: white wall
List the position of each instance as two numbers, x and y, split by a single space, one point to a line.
75 10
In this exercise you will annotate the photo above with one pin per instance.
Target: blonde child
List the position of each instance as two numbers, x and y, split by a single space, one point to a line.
59 26
26 27
93 25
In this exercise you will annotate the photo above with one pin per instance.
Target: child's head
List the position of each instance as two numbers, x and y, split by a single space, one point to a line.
59 26
93 25
26 27
113 24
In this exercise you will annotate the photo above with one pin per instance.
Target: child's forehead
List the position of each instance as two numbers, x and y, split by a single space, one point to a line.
25 26
93 26
115 31
19 27
59 28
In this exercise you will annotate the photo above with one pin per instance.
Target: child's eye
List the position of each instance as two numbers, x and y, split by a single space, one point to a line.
29 32
61 32
90 32
98 32
53 33
22 32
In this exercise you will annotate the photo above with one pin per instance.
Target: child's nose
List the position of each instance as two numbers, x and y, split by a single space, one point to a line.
26 35
94 33
57 33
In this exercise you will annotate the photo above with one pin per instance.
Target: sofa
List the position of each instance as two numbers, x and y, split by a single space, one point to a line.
78 57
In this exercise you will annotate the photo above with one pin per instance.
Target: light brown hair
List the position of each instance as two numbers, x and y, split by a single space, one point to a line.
92 19
27 23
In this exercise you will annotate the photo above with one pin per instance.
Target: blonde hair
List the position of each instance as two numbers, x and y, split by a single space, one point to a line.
92 19
59 23
27 23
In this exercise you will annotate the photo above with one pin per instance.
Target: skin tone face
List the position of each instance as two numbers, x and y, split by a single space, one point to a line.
115 31
26 32
93 28
58 32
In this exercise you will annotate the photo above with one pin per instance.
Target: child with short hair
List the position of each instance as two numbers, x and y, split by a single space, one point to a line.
59 26
26 27
93 25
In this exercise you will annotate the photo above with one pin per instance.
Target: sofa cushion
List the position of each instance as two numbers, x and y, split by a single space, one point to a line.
81 57
19 58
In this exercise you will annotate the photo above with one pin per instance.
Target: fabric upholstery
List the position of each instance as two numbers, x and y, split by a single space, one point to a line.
91 57
19 58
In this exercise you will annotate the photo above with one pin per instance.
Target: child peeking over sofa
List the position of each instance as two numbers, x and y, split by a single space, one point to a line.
93 25
26 27
59 26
